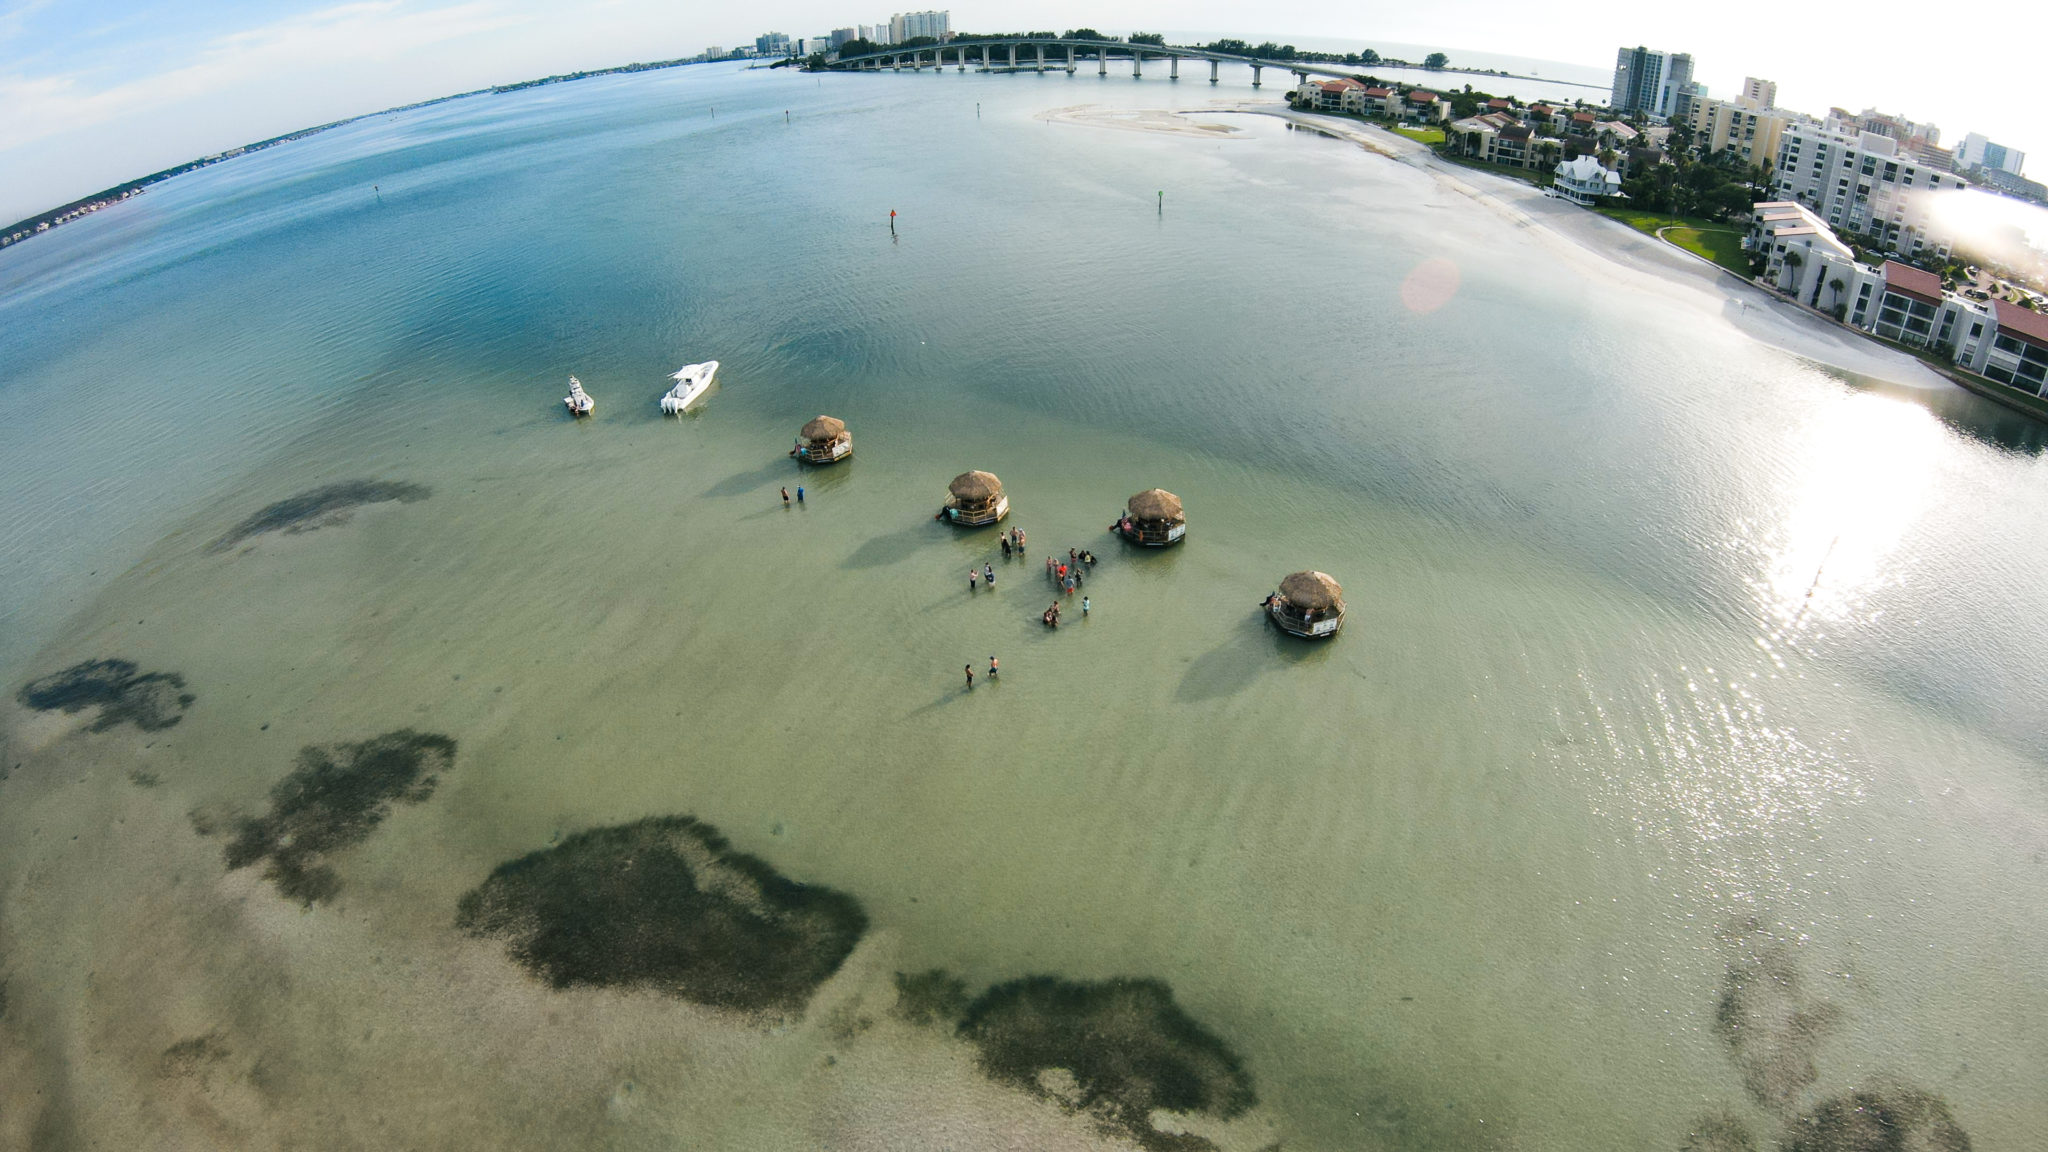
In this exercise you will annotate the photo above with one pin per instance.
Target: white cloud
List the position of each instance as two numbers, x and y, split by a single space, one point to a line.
270 58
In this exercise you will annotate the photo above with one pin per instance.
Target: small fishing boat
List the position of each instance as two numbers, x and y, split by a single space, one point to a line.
1153 518
579 401
974 499
692 381
823 441
1308 604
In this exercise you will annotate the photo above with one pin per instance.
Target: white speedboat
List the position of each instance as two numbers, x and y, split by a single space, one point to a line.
692 381
579 401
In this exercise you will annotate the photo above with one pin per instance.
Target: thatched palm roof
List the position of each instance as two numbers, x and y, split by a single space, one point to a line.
1155 504
824 428
976 486
1317 590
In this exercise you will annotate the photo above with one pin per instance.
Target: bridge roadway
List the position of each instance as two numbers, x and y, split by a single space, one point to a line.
934 56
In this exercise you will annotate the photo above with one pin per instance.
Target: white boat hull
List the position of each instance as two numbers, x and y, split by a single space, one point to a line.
692 381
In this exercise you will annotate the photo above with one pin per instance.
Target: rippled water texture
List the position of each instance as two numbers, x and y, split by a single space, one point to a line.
1676 780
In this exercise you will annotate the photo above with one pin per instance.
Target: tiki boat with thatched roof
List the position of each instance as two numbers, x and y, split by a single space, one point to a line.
1152 518
823 441
1308 604
974 499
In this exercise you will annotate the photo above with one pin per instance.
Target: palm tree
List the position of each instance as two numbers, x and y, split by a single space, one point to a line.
1836 286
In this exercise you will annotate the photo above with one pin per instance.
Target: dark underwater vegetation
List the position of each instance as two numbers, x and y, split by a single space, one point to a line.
122 692
665 903
333 799
320 508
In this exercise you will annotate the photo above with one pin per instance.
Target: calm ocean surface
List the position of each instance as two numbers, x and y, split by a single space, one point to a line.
1684 680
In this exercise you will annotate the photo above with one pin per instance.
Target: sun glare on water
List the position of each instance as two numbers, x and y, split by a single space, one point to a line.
1863 479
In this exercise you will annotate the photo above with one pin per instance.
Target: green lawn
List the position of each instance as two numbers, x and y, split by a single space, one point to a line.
1701 237
1430 136
1721 245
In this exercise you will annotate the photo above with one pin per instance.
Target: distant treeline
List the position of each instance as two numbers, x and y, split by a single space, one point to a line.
564 77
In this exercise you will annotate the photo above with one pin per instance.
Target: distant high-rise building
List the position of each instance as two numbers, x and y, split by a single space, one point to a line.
1649 81
904 25
1977 152
1764 92
1688 97
1894 127
872 35
772 44
840 36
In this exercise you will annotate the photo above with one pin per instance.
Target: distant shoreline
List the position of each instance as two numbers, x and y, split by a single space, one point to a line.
63 214
84 206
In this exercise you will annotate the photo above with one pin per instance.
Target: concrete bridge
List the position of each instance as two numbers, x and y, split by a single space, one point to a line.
1058 54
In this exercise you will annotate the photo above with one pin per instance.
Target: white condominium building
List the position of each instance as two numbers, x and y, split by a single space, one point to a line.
1764 92
1860 182
904 25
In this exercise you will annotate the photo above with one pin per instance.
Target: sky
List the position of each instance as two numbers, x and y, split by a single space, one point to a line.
95 92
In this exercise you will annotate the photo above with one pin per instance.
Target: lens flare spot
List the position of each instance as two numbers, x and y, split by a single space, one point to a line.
1430 286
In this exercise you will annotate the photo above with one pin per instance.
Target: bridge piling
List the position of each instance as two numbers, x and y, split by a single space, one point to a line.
1255 75
1137 64
1212 71
1040 49
1013 53
1070 59
1102 61
1173 69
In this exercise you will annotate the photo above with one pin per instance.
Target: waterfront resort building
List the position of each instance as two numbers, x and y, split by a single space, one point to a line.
1799 250
1340 95
1499 138
1584 181
1745 127
1804 260
1860 182
1425 106
2016 351
1650 81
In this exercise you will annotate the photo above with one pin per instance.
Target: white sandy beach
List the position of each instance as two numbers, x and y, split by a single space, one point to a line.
1651 263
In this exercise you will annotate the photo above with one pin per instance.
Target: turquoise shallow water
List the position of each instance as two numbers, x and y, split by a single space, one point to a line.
1670 654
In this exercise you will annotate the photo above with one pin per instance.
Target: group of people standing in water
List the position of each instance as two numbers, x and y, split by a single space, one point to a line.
1067 577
